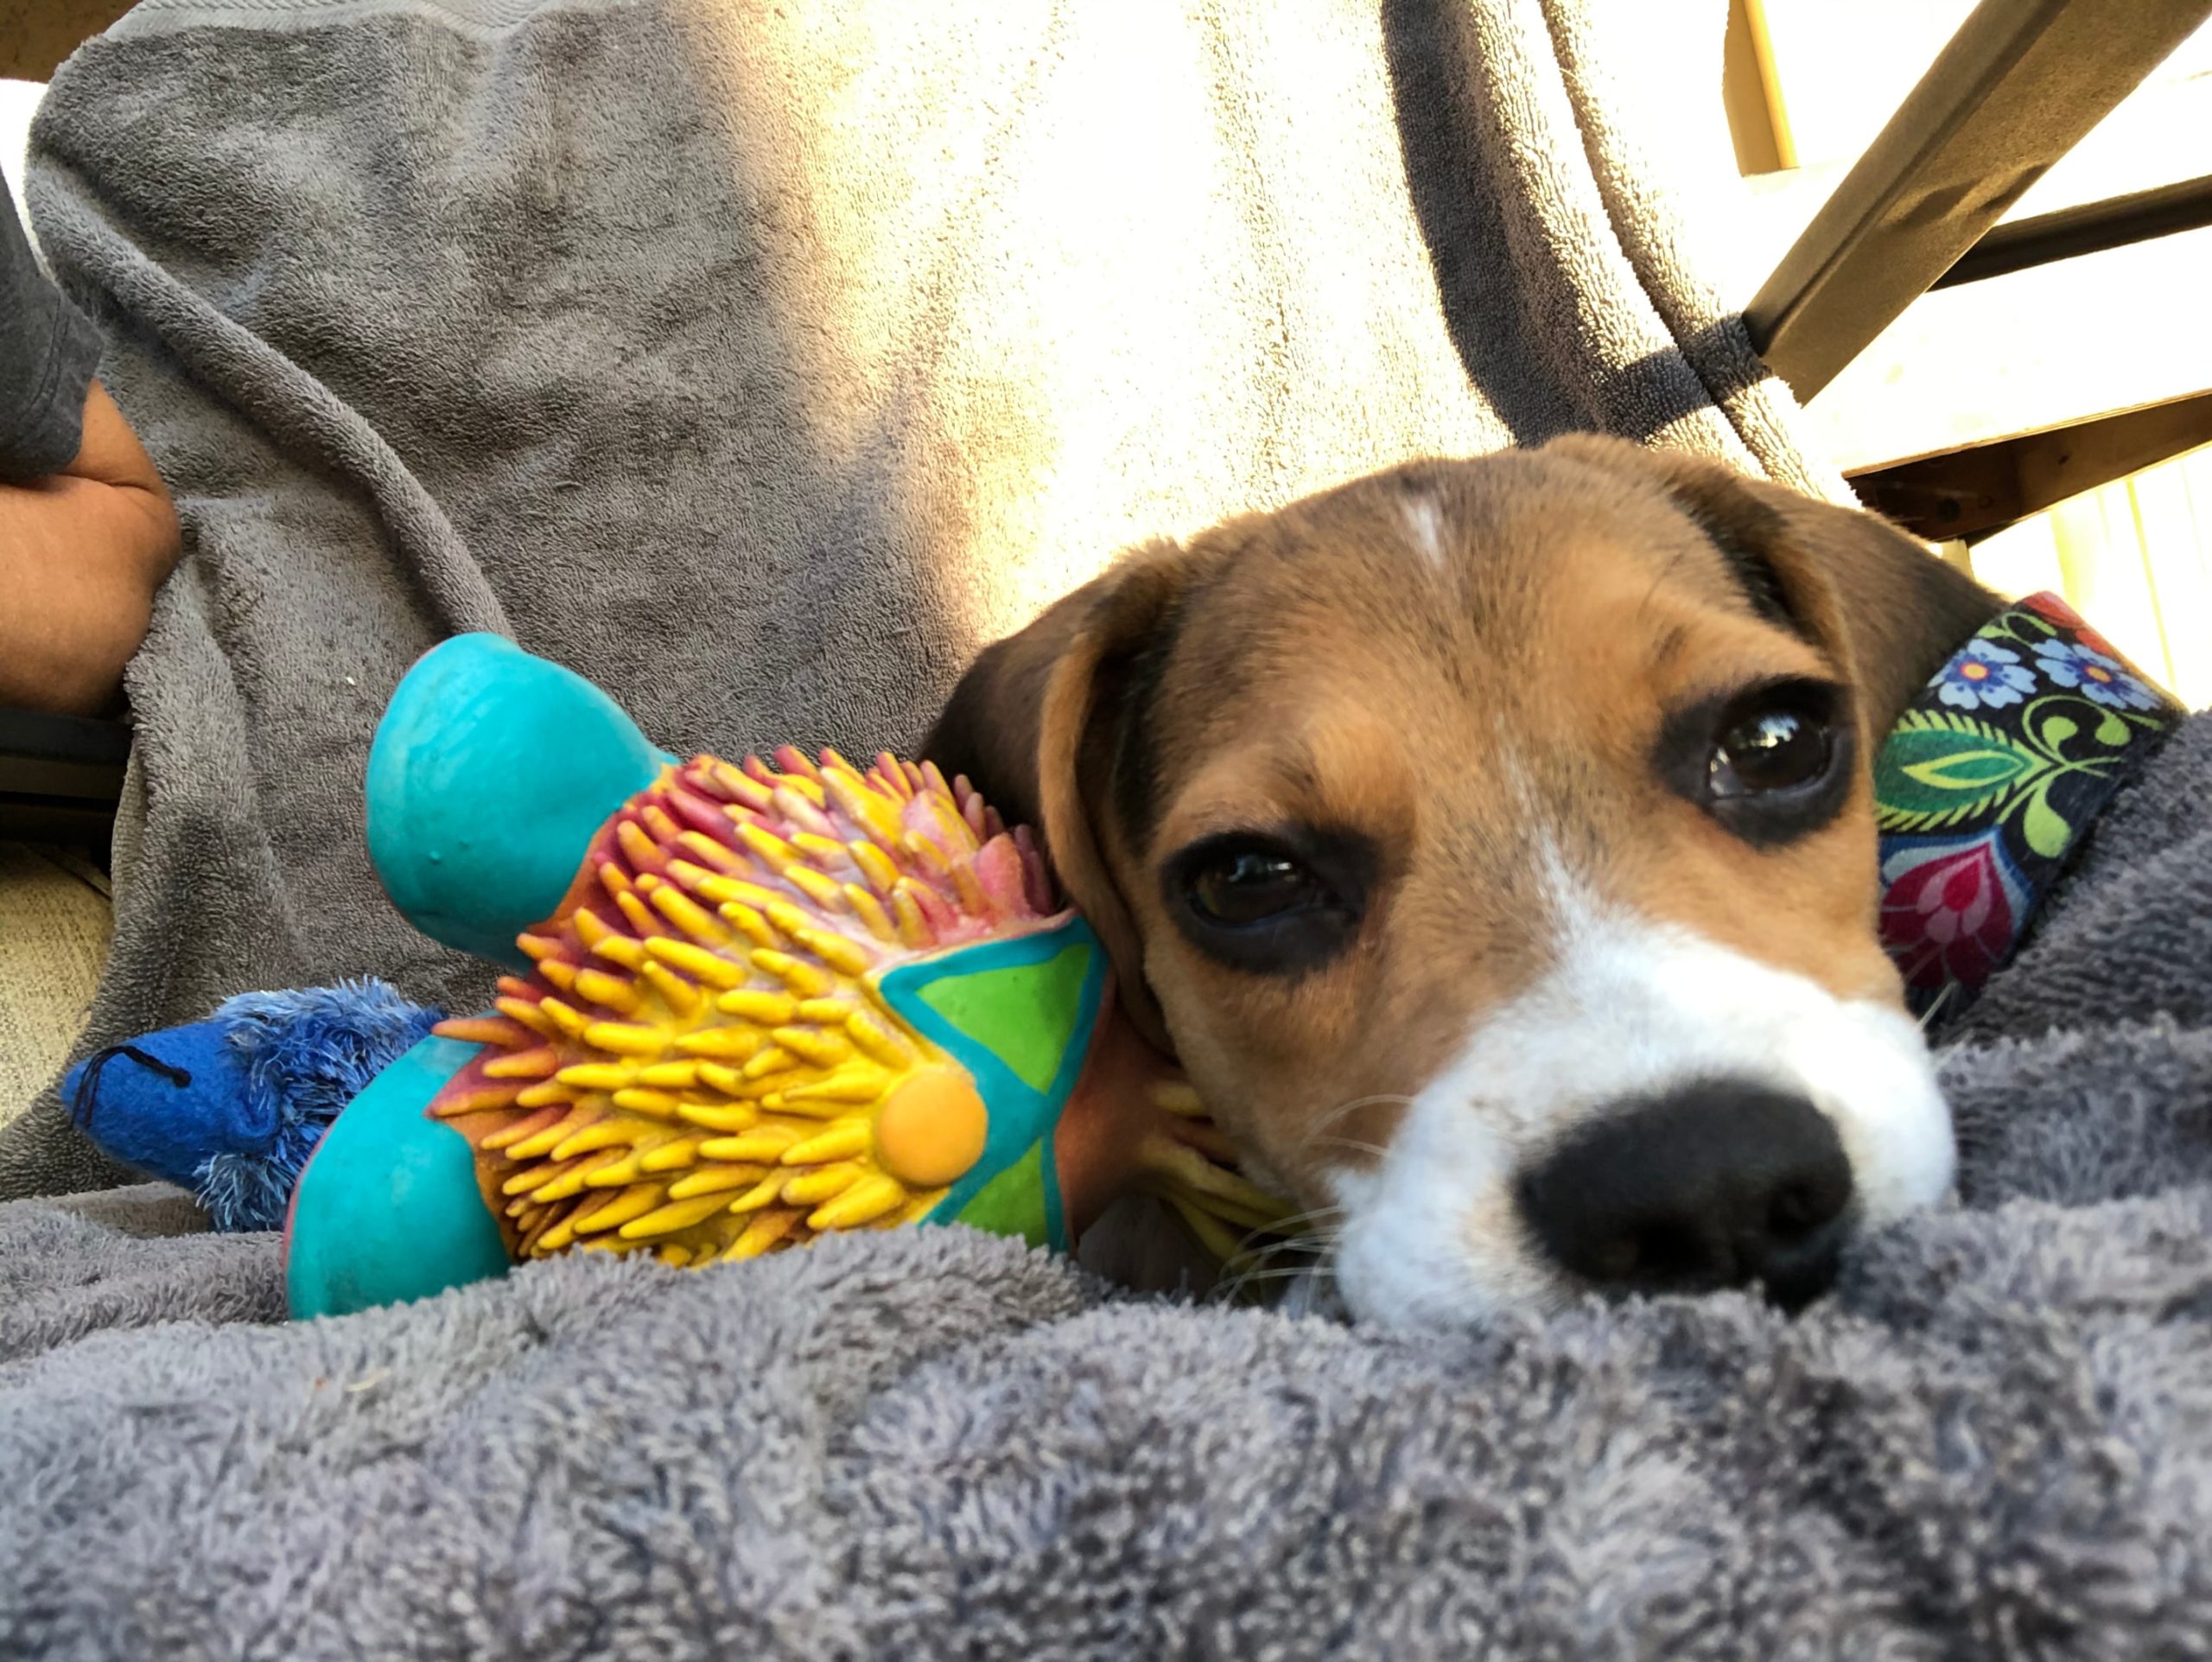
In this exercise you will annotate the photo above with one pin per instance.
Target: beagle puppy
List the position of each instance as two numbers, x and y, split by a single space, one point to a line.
1491 841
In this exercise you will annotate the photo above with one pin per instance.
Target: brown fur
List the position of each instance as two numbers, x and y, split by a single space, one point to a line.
1467 715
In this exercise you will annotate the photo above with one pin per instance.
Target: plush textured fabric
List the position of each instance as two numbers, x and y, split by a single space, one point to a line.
761 361
1994 1440
429 309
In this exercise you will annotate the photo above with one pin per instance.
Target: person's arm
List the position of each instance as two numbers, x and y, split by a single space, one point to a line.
87 530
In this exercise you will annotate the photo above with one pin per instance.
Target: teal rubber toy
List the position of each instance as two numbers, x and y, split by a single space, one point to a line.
756 1003
490 769
390 1199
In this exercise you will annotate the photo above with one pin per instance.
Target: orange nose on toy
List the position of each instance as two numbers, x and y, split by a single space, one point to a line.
930 1129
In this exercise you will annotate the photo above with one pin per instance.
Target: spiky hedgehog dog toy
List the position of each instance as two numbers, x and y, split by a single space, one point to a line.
772 1002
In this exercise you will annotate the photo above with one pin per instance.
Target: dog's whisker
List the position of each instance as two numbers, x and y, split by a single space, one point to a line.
1273 1236
1357 1146
1354 1106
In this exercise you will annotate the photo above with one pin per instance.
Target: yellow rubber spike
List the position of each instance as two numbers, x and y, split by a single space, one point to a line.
698 963
498 1094
626 1038
913 928
632 1202
623 949
812 1187
849 1085
718 1180
669 1076
545 1091
576 1121
973 900
1173 1097
558 973
660 1104
771 850
598 1076
760 1195
495 1030
615 992
733 1044
768 1009
814 1045
525 1010
785 918
846 957
725 891
605 1131
875 865
876 1039
864 1203
571 1024
542 1061
679 1156
667 1218
785 1099
571 1182
528 1126
636 848
724 1116
801 977
763 1144
842 1140
870 912
750 923
538 948
682 998
714 856
825 892
727 1080
774 1059
627 1167
531 1178
763 1233
672 1255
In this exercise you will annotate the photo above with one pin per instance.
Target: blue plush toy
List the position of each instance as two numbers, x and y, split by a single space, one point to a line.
231 1108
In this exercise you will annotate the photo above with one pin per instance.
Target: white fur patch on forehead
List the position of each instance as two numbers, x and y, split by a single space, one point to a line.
1425 525
1630 1010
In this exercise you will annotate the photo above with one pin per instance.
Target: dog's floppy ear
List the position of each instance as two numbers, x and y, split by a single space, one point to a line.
1043 725
1888 610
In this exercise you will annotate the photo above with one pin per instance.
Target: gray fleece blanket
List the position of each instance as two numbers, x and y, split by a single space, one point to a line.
1995 1440
758 359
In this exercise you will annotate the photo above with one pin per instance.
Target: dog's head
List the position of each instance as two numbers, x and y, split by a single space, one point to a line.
1492 841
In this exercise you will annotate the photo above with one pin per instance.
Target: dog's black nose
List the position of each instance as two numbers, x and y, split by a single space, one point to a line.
1715 1186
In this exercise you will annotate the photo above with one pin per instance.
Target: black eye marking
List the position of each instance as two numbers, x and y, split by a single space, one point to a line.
1770 762
1277 902
1742 532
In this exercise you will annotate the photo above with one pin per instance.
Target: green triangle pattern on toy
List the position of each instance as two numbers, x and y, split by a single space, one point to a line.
1018 1014
1023 1013
1013 1203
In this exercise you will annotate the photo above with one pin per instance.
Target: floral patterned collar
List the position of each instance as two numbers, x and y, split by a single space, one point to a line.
1988 783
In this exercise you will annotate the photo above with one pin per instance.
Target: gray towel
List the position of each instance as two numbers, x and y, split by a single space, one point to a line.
761 361
1994 1441
804 345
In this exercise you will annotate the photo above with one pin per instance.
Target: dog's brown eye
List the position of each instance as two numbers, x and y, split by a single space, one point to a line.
1770 762
1769 750
1271 903
1247 886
